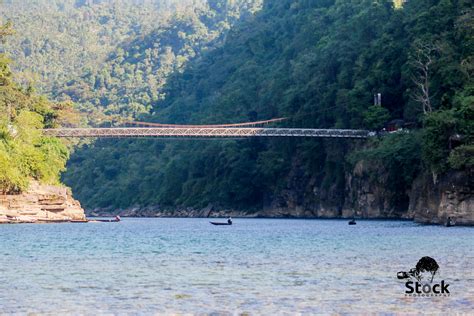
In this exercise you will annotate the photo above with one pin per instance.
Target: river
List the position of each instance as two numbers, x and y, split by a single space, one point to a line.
256 266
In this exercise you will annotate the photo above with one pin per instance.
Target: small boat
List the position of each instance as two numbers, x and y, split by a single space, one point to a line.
220 224
229 222
106 220
116 219
352 222
449 222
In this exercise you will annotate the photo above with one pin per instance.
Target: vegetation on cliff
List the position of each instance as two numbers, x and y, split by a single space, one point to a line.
24 152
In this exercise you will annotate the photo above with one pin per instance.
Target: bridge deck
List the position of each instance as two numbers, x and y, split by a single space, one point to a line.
205 132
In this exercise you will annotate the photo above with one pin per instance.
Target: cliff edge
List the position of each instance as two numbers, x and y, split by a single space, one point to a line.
40 203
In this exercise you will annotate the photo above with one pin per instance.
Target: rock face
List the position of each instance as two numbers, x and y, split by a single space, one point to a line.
41 203
359 194
430 200
371 197
433 200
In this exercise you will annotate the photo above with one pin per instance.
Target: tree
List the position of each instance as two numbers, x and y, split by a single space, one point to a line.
375 117
422 61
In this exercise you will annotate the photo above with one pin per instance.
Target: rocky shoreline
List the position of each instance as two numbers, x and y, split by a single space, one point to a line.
40 204
430 200
151 212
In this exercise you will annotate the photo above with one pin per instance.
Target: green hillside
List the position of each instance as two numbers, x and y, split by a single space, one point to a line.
132 77
58 40
319 63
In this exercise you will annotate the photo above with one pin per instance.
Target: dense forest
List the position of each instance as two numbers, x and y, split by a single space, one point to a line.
132 78
61 40
318 63
112 57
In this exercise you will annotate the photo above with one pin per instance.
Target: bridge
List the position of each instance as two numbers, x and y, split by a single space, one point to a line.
235 130
205 132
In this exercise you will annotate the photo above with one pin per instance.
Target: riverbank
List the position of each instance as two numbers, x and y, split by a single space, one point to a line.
430 200
210 212
40 204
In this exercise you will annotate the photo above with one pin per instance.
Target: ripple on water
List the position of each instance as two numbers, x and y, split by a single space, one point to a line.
255 266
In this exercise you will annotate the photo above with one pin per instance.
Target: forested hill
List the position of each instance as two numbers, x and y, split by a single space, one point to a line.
318 63
132 78
59 40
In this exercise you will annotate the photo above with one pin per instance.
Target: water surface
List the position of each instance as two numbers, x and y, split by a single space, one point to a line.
256 266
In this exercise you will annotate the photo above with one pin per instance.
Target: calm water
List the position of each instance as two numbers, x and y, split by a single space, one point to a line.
257 266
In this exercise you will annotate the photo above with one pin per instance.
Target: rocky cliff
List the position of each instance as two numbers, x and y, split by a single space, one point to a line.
358 193
429 200
41 203
367 193
435 198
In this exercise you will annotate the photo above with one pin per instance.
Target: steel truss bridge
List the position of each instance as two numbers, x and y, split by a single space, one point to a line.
205 132
235 130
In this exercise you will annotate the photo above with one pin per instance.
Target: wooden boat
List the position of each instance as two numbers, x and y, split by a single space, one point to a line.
106 220
116 219
220 223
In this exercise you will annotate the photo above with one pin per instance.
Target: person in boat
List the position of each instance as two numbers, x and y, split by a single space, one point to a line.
352 221
229 220
449 222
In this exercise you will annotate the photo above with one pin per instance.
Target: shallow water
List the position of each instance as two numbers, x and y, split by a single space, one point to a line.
256 266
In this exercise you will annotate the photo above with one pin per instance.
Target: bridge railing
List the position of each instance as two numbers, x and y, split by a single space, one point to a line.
244 124
205 132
